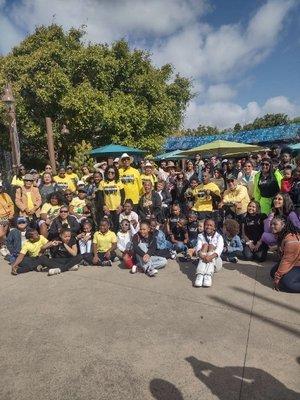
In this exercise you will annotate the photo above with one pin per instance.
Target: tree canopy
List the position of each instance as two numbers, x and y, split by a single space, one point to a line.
105 94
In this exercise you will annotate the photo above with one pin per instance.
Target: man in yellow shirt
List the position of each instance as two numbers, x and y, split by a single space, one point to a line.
235 197
131 179
29 258
104 245
64 182
205 195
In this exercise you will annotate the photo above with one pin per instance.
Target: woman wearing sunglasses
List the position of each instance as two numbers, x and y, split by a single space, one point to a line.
63 220
112 195
267 184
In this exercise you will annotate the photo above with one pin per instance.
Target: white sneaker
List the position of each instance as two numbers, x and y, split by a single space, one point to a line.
152 272
54 271
134 269
173 254
199 280
74 268
4 251
207 280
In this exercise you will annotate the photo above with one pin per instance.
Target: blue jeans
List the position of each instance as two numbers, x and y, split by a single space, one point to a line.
155 262
290 282
180 247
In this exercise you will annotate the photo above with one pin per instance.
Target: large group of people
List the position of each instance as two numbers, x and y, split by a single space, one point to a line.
206 211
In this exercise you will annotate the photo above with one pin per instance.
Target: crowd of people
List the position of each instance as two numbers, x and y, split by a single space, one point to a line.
207 211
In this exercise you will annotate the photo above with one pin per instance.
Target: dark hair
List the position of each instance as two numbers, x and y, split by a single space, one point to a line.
58 195
129 201
231 226
257 205
145 222
288 227
19 174
110 167
287 207
64 230
29 233
104 221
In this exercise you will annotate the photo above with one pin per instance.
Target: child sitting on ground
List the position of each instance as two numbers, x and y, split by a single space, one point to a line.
145 249
200 229
209 248
179 236
85 240
16 238
164 247
124 243
104 245
233 246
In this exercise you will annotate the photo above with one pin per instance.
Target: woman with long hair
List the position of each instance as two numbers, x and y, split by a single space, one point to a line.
286 274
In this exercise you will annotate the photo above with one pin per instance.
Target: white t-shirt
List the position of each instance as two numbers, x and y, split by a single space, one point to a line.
216 240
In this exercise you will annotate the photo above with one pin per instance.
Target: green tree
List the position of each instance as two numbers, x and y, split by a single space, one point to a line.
202 130
267 121
237 127
103 93
82 157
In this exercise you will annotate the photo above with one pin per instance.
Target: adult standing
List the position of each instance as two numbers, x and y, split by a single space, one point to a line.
150 205
148 174
267 183
47 186
28 199
206 195
6 214
246 177
131 179
190 172
17 180
112 195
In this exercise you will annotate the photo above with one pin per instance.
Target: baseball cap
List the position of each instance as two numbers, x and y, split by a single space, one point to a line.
125 155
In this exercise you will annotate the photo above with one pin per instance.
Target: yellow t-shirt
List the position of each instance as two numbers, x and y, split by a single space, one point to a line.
50 210
203 202
152 178
78 205
17 181
104 241
73 176
65 183
112 195
33 249
131 180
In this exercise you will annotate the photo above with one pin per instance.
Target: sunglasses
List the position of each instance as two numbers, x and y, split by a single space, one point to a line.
230 180
48 168
111 172
68 194
28 180
265 164
64 211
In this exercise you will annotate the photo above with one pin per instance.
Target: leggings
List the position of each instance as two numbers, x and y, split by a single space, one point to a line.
290 282
64 264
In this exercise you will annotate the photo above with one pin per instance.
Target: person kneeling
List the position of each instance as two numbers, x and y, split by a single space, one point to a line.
209 248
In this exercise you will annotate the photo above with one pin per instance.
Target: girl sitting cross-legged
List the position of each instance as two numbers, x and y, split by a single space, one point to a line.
209 248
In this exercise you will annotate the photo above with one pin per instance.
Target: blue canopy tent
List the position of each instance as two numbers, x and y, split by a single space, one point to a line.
115 150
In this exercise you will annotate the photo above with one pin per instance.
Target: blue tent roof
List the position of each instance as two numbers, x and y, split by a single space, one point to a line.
115 150
257 136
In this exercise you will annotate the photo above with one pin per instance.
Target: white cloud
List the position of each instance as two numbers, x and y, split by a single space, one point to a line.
227 114
220 92
201 51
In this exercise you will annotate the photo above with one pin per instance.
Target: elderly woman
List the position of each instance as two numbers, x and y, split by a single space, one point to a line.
267 184
150 205
246 177
28 199
286 274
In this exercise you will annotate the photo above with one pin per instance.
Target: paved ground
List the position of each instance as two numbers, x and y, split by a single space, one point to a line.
102 333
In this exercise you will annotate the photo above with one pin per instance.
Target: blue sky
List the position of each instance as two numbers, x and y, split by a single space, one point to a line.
243 55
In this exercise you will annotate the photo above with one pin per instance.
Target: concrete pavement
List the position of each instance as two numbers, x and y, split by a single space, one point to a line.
102 333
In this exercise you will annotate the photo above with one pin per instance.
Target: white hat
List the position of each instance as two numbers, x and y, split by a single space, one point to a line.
125 155
148 164
116 160
80 183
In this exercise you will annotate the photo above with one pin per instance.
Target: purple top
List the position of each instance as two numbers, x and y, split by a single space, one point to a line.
294 218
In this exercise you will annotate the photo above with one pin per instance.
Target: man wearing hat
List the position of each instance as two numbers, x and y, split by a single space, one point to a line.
235 196
28 198
131 179
148 174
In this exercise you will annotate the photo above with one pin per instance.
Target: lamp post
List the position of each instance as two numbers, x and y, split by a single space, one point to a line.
9 101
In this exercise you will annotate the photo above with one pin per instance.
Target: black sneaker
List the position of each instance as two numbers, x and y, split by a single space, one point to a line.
106 263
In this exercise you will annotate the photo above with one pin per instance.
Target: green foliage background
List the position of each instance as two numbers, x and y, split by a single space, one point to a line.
105 94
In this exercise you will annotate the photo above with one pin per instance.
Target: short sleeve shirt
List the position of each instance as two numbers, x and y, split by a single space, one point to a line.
104 241
33 249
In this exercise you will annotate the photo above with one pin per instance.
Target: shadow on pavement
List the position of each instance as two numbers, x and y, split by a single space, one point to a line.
188 268
240 383
264 298
249 270
164 390
254 314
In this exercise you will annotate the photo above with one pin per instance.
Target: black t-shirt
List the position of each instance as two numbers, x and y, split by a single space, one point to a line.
192 228
173 221
60 251
254 226
179 232
268 185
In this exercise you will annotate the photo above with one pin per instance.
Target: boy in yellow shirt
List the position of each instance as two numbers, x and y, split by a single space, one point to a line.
104 245
30 258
